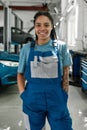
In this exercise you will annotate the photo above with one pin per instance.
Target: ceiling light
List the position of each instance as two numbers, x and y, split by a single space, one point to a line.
61 18
56 10
70 8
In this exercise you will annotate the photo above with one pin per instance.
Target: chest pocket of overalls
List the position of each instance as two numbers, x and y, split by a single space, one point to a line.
45 67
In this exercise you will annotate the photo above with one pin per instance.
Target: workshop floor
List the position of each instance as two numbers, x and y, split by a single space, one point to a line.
11 113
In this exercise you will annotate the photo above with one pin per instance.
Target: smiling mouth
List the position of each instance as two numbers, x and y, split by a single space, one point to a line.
42 34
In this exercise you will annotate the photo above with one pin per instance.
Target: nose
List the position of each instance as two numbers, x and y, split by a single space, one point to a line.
42 27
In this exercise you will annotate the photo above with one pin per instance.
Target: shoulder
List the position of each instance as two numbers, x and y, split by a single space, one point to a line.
26 46
25 50
60 44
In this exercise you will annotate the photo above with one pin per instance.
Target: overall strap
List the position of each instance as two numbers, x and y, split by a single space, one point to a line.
32 49
56 46
32 44
27 71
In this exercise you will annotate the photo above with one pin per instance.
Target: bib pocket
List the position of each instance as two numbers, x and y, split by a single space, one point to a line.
46 67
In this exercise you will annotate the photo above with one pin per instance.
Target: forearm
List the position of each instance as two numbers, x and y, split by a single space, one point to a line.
21 82
65 82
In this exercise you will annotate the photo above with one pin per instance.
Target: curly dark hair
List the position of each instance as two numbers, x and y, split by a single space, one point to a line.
47 14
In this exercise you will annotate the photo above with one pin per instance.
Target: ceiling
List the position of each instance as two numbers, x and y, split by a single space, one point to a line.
51 4
30 1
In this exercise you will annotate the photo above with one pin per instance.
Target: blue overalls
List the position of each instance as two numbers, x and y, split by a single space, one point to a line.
43 96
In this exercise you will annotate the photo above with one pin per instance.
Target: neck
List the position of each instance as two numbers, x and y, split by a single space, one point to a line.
42 42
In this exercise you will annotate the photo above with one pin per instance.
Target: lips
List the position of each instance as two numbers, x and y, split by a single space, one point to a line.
42 33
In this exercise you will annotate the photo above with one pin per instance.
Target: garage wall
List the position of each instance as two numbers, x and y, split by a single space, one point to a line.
27 17
1 18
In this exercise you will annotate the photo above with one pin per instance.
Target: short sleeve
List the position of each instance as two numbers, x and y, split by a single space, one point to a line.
66 56
23 58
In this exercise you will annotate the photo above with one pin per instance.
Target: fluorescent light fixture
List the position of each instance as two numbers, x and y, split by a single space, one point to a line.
61 18
57 23
70 8
56 10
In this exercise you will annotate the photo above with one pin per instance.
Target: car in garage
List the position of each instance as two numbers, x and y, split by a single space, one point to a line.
9 60
17 35
8 68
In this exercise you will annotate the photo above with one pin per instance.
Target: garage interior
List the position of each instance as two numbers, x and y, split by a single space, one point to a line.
71 26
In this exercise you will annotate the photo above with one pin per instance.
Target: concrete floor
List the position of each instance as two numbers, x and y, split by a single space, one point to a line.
11 114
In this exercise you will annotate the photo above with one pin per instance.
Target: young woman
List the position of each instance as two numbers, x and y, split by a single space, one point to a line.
44 65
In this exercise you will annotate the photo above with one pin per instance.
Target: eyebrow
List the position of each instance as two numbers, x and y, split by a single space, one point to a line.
40 23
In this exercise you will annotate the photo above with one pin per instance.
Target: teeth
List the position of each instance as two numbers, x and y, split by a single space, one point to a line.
42 33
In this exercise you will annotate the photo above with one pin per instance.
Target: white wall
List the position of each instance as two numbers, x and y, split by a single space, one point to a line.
74 25
1 18
27 17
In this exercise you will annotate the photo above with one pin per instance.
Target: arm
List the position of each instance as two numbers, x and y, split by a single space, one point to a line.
66 63
65 82
21 82
22 66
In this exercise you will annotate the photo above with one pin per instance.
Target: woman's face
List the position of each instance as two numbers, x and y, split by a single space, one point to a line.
43 28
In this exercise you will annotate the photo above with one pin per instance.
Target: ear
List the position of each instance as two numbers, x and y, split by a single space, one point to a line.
52 26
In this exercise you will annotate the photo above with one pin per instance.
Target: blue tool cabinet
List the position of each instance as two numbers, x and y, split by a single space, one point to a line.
84 73
79 60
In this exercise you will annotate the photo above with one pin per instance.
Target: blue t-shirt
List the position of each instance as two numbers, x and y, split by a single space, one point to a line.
65 57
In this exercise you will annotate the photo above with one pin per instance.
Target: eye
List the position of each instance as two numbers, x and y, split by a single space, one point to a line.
37 25
47 25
